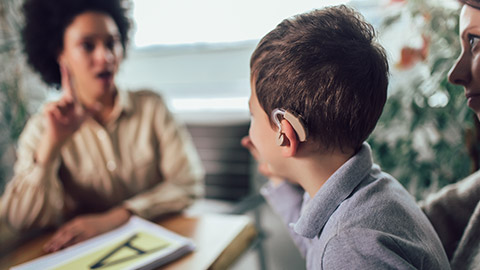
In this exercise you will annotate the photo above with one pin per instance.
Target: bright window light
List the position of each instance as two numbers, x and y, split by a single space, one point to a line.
192 21
210 104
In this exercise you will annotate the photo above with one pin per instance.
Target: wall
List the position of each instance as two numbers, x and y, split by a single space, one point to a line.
190 76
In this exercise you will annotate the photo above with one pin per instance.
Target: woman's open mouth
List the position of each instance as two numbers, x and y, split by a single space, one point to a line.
105 76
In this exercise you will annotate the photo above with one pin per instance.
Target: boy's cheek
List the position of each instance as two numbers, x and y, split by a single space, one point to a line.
252 134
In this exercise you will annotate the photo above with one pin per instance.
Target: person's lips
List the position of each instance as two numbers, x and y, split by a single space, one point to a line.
105 75
469 95
473 99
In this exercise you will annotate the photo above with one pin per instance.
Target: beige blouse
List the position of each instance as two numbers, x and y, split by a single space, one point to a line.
140 159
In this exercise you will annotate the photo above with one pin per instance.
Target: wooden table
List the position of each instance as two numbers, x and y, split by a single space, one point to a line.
219 240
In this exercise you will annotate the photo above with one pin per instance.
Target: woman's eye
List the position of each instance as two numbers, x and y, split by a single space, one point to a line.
473 40
110 44
87 46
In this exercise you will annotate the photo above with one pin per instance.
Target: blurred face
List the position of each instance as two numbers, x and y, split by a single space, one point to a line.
92 52
466 71
263 136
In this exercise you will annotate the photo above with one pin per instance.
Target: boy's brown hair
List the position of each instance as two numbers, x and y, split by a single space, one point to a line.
325 66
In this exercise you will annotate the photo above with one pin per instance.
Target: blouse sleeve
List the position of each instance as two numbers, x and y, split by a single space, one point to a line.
34 197
179 165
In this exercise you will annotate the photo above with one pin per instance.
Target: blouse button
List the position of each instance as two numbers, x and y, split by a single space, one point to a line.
111 166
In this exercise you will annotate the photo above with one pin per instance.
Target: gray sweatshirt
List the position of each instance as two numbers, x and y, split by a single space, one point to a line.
361 218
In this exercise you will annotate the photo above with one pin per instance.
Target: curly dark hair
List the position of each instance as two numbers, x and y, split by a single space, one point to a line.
45 24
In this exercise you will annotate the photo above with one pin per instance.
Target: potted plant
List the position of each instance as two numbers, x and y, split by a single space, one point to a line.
422 135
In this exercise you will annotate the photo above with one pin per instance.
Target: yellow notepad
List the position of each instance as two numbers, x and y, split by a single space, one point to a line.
139 244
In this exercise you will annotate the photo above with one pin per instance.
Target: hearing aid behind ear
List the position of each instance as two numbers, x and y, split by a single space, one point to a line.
295 121
280 138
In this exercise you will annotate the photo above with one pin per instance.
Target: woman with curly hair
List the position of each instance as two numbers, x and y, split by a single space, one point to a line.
99 154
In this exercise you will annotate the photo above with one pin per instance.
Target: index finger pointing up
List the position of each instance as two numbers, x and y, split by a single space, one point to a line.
67 85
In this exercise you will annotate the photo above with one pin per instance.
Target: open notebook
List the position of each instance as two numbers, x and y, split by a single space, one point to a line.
139 244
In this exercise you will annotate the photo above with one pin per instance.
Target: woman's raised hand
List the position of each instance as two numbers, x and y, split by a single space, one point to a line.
62 119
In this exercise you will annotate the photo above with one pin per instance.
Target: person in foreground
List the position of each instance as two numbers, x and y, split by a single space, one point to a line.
319 83
455 210
99 154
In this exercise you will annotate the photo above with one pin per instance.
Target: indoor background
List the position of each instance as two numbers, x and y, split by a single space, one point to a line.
196 54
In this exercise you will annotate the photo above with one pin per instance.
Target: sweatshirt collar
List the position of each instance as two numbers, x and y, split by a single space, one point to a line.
335 190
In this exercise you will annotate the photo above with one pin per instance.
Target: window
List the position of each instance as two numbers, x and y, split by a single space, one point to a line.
191 21
196 53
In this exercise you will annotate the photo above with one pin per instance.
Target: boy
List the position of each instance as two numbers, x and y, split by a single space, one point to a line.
319 84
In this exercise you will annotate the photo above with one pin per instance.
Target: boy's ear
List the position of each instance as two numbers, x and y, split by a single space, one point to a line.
290 139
